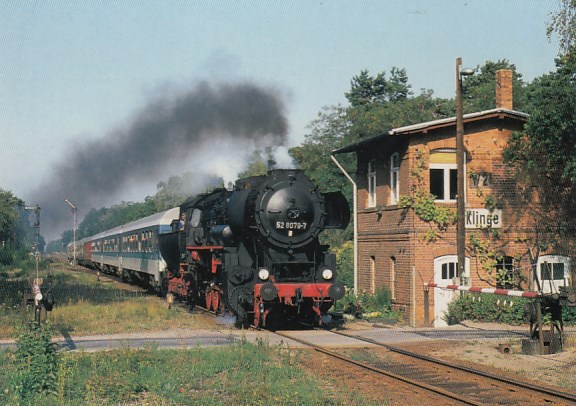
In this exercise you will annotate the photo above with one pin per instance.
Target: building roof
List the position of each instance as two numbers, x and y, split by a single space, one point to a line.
423 128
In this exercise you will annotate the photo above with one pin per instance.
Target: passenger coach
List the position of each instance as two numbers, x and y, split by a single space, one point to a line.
130 251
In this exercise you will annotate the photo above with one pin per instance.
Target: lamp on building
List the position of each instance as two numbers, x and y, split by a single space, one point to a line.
461 182
74 211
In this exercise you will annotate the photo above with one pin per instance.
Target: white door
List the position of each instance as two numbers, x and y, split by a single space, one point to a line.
445 273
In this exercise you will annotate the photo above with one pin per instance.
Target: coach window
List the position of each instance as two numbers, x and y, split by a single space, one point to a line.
394 180
443 175
372 183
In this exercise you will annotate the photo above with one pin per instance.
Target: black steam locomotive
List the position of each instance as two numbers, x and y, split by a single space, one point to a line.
254 250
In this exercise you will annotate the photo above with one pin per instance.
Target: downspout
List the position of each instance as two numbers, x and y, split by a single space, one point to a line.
355 219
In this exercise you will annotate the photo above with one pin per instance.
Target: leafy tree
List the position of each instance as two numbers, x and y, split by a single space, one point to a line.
377 118
479 90
328 132
563 22
177 189
544 155
10 216
366 89
257 166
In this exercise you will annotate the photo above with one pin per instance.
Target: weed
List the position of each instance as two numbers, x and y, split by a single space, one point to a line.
37 361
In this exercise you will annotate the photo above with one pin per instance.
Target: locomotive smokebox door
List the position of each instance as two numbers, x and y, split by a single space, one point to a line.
289 209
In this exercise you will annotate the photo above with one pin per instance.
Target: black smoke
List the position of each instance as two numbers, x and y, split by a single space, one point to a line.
169 133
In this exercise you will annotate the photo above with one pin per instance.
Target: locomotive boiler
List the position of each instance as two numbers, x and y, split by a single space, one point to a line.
254 250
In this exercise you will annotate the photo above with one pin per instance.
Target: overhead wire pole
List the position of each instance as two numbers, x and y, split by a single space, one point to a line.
36 210
74 214
461 175
37 283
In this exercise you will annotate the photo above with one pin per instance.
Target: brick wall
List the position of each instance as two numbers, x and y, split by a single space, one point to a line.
389 235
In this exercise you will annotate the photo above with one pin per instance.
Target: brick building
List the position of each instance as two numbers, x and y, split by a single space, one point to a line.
403 250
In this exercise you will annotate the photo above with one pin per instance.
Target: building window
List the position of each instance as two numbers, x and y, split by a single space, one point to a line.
505 278
553 271
372 183
373 274
443 175
394 181
449 271
393 278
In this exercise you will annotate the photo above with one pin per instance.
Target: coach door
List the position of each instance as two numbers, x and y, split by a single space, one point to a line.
445 273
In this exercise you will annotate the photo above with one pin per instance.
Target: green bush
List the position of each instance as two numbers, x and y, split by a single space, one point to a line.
486 308
569 315
345 264
37 361
490 308
368 305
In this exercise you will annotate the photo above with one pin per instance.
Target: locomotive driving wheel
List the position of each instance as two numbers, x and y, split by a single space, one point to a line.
238 298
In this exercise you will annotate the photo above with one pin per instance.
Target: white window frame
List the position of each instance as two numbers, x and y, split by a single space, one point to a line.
446 175
552 285
371 177
394 178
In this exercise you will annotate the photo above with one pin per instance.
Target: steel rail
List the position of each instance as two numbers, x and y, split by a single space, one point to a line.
380 371
510 381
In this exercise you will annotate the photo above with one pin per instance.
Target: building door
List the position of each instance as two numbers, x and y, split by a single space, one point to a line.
445 273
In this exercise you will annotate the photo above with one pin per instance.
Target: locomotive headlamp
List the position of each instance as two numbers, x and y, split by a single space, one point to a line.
327 274
263 274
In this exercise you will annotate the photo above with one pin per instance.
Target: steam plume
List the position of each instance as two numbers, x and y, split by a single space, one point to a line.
224 121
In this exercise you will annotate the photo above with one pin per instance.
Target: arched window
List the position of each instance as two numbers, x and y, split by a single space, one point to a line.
394 178
373 274
393 278
371 183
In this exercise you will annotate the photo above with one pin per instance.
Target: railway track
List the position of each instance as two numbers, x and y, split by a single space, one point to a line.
457 384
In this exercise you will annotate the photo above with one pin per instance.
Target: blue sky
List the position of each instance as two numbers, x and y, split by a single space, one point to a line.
72 71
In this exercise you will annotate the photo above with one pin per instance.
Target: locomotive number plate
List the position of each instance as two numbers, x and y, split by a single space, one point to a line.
291 225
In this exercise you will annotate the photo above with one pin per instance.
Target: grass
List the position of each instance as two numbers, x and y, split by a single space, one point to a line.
243 373
85 305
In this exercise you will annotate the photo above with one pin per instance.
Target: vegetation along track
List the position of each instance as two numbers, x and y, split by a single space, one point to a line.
455 383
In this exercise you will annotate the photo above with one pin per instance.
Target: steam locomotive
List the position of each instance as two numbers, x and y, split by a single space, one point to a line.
252 251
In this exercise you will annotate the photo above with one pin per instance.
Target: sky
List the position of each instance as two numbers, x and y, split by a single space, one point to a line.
78 77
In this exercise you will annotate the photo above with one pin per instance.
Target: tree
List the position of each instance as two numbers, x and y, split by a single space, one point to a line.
563 22
366 89
328 132
544 155
257 166
479 90
10 214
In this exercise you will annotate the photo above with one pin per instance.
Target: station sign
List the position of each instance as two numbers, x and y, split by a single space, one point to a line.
483 218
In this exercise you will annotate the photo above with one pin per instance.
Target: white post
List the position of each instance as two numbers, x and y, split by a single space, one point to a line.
355 219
